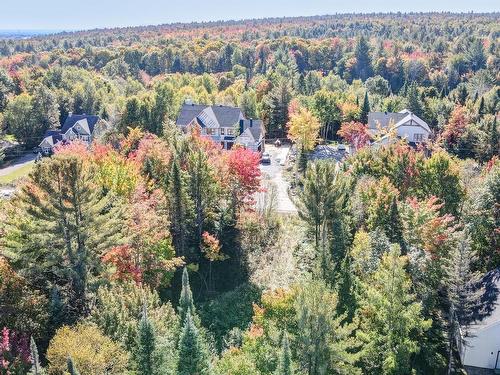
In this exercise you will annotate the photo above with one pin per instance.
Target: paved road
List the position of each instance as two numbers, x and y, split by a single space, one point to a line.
18 163
273 174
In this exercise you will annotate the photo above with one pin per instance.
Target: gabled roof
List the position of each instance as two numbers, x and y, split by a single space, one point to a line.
71 120
209 116
383 120
254 127
52 137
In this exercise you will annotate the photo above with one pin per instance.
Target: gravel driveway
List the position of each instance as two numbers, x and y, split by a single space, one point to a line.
273 173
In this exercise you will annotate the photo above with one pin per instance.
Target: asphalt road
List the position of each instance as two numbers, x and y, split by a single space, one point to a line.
18 163
273 174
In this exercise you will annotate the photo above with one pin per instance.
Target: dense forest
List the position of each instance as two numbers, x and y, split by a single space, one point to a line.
147 254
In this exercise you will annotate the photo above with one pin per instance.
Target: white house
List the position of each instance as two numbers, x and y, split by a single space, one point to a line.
404 125
481 353
223 124
81 127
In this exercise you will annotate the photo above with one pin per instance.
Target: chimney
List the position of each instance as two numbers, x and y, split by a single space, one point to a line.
242 126
188 101
70 114
251 122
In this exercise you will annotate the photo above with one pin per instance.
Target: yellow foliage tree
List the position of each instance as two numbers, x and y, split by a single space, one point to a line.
303 128
91 351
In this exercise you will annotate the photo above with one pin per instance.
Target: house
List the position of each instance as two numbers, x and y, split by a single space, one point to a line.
81 127
223 124
405 125
481 353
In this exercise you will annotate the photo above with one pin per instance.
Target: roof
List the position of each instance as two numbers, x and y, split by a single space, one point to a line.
209 116
71 120
52 137
255 127
383 120
488 313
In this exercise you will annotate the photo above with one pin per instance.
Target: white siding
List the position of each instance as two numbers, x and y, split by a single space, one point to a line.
409 131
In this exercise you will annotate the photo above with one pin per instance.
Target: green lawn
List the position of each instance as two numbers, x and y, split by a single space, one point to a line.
16 174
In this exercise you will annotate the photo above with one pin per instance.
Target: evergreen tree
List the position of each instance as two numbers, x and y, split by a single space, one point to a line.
394 230
414 104
72 368
363 68
285 366
180 209
482 109
475 55
186 304
324 345
36 369
67 224
194 357
391 324
276 106
365 109
146 341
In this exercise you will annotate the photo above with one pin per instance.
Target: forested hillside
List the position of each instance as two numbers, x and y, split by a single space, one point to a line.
146 252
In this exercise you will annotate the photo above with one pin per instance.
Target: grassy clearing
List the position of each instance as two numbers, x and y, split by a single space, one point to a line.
16 174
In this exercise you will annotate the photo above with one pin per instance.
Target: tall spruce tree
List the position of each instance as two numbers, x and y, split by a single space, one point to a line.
414 103
71 367
363 68
180 208
146 343
285 365
36 369
186 304
194 357
365 109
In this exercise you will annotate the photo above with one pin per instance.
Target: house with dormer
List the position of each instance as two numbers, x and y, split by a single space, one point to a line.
384 126
76 127
223 124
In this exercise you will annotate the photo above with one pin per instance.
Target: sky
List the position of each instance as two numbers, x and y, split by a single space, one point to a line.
89 14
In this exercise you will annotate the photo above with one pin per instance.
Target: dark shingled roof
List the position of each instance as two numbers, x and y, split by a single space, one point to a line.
256 129
383 119
188 113
225 116
72 119
55 134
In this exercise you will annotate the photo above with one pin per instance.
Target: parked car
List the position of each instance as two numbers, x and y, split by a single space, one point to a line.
266 158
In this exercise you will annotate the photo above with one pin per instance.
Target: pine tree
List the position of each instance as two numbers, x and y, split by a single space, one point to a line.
482 108
363 68
68 222
146 341
36 369
391 325
180 209
194 357
285 366
394 229
71 367
365 109
414 104
186 304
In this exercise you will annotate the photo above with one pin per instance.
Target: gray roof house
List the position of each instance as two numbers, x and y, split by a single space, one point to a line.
81 127
404 124
223 124
481 353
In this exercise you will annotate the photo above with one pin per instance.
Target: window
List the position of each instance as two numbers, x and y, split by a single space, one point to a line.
211 131
229 131
497 365
418 137
222 131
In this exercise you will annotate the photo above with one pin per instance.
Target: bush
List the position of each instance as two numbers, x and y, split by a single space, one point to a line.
91 351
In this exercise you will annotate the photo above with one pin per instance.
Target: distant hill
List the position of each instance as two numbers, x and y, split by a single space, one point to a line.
23 34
